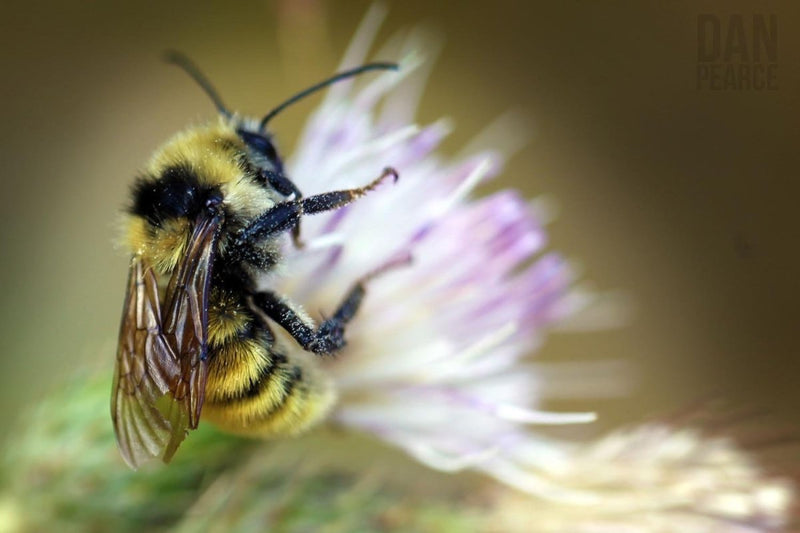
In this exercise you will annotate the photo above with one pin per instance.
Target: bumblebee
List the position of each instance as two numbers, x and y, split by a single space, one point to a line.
206 219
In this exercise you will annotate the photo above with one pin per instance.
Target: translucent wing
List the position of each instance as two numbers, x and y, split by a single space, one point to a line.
161 372
146 364
186 318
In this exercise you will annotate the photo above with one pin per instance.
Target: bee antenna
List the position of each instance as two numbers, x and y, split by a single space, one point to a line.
321 85
179 59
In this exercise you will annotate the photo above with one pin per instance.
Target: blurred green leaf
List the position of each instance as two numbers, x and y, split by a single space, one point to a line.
62 471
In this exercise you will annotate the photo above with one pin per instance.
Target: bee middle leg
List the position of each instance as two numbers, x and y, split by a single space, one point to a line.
329 336
325 339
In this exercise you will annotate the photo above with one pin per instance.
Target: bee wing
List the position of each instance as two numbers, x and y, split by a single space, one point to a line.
161 372
145 366
185 325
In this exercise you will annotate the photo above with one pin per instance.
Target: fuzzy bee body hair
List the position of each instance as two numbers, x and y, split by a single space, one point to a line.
254 385
199 338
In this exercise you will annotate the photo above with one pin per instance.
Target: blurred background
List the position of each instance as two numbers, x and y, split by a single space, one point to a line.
684 200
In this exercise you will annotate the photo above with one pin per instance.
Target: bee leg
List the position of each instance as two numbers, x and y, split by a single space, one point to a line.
285 186
329 337
286 215
326 339
334 200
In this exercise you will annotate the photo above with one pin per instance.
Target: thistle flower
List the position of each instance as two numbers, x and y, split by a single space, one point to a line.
432 361
434 367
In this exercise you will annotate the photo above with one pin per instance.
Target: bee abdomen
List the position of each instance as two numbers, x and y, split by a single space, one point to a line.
253 389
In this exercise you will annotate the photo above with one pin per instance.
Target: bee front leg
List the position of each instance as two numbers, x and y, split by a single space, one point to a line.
285 186
286 215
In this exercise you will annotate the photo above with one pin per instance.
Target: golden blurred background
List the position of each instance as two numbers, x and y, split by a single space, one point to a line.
682 199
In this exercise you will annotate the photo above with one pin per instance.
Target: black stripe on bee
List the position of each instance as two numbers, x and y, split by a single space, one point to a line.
175 193
289 384
275 373
294 378
265 376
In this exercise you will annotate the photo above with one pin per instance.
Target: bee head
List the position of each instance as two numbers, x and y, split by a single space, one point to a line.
262 149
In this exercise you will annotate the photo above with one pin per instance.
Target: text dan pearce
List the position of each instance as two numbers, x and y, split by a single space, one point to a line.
733 56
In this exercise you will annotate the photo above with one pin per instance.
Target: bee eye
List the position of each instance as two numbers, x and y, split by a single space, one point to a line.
259 143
